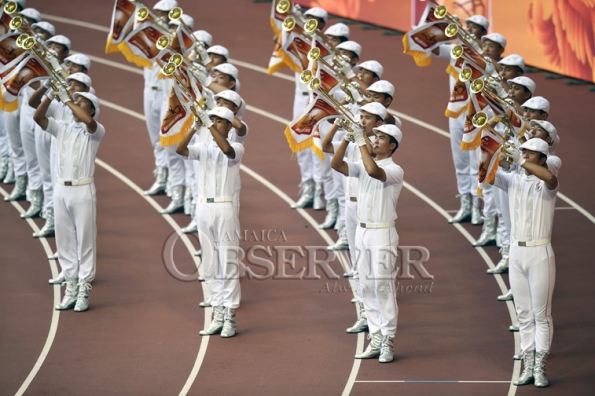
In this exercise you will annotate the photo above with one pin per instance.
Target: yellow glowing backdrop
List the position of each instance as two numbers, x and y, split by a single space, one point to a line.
556 35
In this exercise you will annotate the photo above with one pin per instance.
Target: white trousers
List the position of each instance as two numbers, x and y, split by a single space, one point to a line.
532 278
44 148
376 261
351 227
465 162
153 101
4 141
76 230
501 200
13 130
218 229
177 168
339 179
27 129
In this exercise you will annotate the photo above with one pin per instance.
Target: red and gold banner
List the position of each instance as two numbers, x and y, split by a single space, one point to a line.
555 35
122 23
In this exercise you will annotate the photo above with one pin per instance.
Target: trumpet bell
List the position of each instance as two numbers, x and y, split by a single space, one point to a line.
451 30
306 76
456 52
314 54
289 23
477 85
162 43
311 25
479 119
21 39
314 84
29 42
11 7
169 68
440 11
175 13
465 74
16 22
176 59
142 13
283 6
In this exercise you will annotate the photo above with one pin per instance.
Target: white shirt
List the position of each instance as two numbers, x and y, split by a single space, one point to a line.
352 154
241 110
234 137
76 148
531 205
377 201
59 111
219 175
150 75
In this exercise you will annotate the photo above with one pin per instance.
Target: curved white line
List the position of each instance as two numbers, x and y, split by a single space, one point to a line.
55 314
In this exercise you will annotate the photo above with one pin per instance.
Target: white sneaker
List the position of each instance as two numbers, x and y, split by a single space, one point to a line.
229 323
70 296
387 349
82 301
373 349
216 324
58 280
206 303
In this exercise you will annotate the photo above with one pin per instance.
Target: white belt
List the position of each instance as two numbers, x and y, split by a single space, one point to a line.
216 199
78 182
376 225
539 242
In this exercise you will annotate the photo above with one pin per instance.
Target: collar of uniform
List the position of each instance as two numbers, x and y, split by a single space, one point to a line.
531 177
385 161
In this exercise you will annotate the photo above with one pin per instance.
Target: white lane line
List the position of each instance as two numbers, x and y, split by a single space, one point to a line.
436 381
282 76
55 314
204 341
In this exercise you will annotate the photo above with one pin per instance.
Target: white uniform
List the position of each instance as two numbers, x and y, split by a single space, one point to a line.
465 162
376 241
175 163
27 129
305 157
75 205
532 265
13 130
153 98
217 219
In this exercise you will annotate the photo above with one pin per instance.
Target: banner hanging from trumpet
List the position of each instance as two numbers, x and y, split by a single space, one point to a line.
279 11
140 45
429 34
491 143
122 24
25 72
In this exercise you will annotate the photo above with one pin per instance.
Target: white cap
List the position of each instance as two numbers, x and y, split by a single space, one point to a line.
92 90
187 19
222 112
317 12
374 108
94 99
382 86
495 37
547 126
538 103
165 5
525 82
536 144
227 68
79 59
204 36
513 60
80 77
219 50
59 39
479 20
230 95
338 30
48 27
350 46
398 121
391 130
31 13
372 66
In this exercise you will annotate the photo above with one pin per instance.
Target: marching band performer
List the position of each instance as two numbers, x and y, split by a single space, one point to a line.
218 221
75 199
380 182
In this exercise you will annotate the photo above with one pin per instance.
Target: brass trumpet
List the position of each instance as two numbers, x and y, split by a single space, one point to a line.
314 85
479 85
169 70
175 14
28 43
143 13
11 7
465 74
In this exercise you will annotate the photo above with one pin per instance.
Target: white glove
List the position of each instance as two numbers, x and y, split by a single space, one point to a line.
357 97
346 69
53 60
50 94
514 156
338 122
62 93
349 137
209 98
203 55
204 79
203 116
358 134
46 83
497 87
